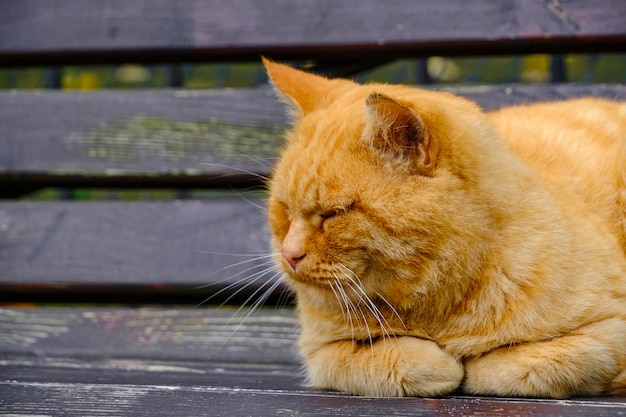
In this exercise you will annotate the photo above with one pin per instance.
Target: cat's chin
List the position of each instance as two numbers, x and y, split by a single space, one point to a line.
324 283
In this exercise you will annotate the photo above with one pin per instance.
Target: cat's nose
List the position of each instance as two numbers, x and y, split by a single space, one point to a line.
294 244
293 256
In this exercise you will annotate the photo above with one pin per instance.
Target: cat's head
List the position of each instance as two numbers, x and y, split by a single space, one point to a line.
373 188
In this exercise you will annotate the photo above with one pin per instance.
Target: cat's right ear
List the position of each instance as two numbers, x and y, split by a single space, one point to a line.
399 135
304 91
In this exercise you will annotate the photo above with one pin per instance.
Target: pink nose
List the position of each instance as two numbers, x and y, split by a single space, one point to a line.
293 256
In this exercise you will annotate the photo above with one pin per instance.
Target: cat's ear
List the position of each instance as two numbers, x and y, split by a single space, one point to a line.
303 90
399 135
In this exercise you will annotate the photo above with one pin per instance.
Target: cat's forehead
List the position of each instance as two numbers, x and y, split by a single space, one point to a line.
318 166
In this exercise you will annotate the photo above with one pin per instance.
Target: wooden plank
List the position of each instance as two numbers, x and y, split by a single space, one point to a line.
96 399
88 32
148 362
149 138
118 250
204 336
172 138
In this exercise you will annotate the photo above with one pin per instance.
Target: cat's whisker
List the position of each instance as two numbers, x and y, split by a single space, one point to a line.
248 280
350 308
256 159
260 275
236 170
255 255
338 298
345 301
357 307
386 328
249 201
258 303
370 338
393 310
247 261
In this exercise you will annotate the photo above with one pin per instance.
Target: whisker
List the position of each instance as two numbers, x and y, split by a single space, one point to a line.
252 309
393 310
249 201
349 307
264 257
257 255
249 280
236 170
385 326
337 296
369 332
258 303
266 294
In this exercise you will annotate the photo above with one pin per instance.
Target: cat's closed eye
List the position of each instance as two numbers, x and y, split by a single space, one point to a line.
336 211
327 214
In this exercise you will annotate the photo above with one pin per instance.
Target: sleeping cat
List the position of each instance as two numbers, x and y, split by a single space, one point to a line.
433 246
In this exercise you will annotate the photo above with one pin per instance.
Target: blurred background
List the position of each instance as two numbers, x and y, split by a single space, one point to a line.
490 70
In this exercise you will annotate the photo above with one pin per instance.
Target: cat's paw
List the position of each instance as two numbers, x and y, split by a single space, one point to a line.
542 369
389 367
424 370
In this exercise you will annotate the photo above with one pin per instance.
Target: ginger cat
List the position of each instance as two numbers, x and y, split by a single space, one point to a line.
433 246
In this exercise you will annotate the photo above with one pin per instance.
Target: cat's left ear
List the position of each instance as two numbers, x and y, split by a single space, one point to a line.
399 135
306 92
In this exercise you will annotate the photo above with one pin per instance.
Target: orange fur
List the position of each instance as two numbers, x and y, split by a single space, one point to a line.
432 245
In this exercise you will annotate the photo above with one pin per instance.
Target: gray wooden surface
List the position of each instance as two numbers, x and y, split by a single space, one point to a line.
202 362
91 31
194 247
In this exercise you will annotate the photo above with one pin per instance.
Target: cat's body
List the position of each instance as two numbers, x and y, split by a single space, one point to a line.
432 246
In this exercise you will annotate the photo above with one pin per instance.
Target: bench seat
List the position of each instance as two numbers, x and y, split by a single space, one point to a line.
191 362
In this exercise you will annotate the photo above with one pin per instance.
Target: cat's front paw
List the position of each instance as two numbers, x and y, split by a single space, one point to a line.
557 368
424 370
390 367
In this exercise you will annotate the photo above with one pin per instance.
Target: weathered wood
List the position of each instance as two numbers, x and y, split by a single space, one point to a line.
88 32
147 362
172 138
203 335
95 399
190 248
177 139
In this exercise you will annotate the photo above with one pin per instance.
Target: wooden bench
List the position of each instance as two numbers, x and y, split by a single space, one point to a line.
134 303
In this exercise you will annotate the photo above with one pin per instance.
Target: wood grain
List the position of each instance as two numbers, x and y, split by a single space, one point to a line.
199 400
90 31
172 138
147 362
195 248
184 139
109 336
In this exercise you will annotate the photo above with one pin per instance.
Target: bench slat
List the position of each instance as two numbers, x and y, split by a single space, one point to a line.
202 335
172 138
88 32
124 249
154 138
148 362
154 398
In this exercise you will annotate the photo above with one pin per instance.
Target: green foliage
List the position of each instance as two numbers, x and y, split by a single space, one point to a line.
607 68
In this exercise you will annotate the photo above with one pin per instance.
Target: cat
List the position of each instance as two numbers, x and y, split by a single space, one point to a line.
433 247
